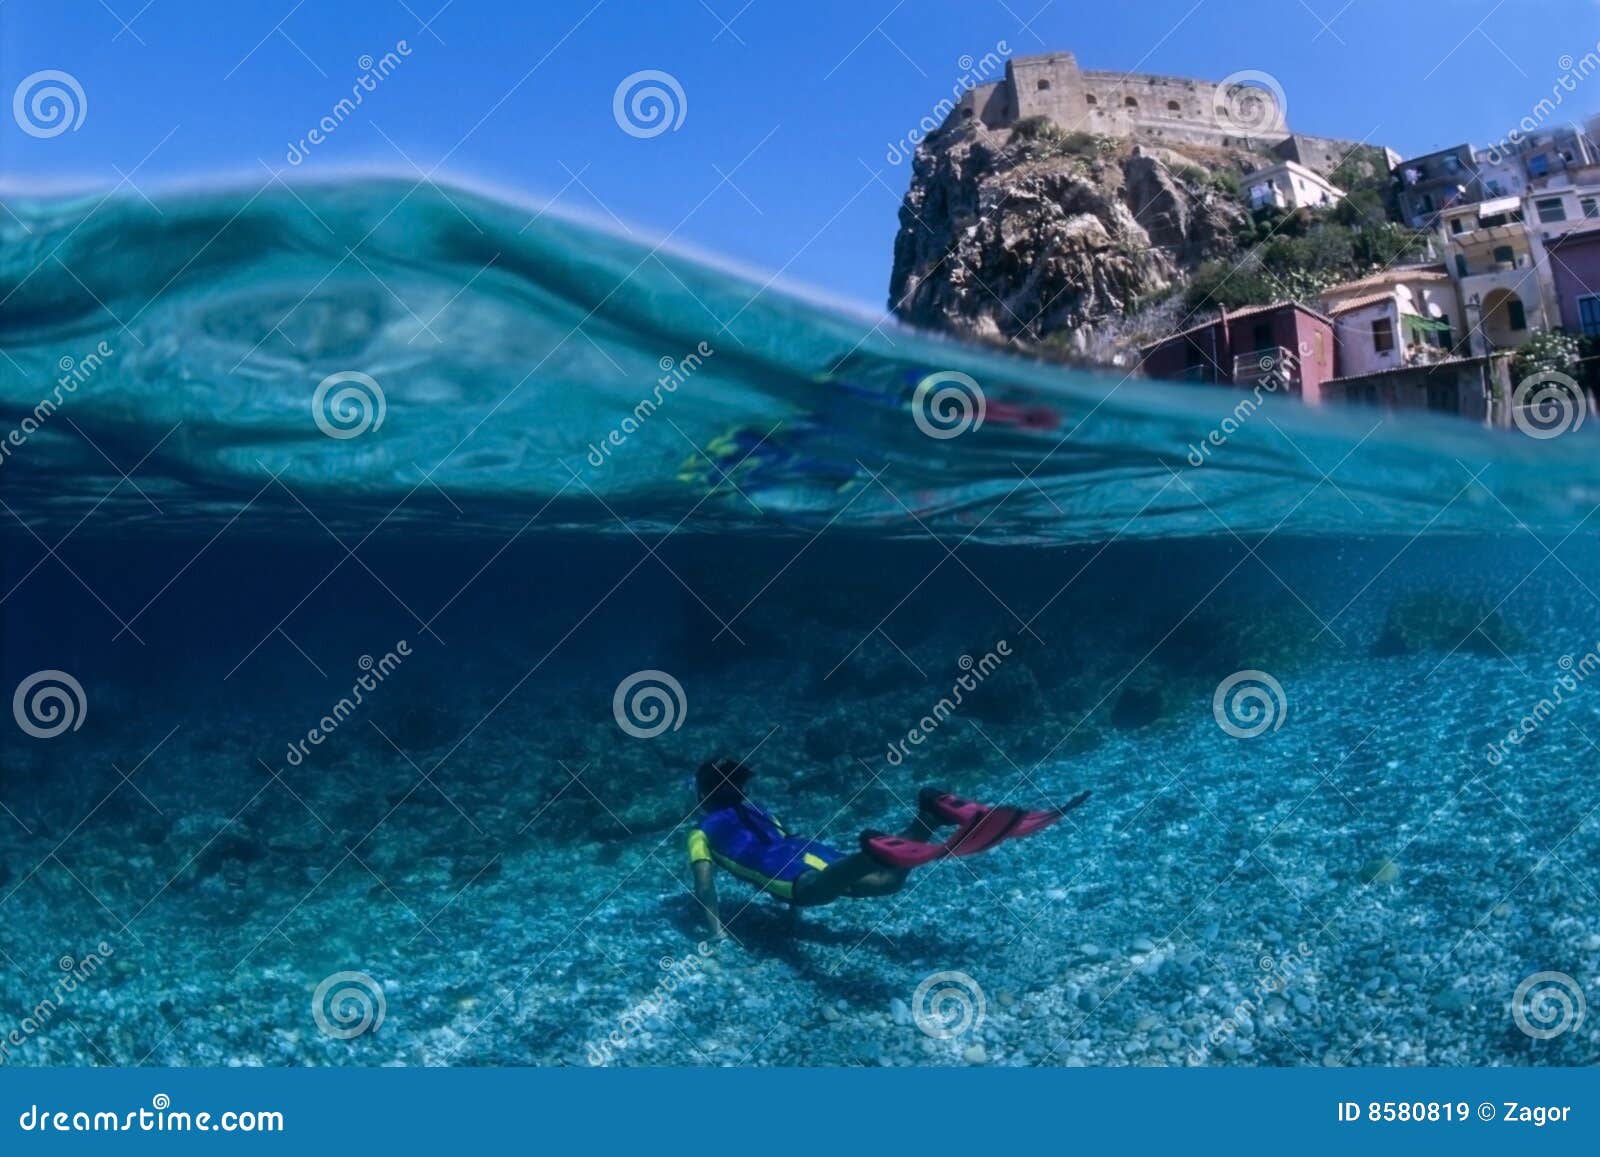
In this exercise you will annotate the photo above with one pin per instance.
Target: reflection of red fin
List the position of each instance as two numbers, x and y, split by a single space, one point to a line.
1033 417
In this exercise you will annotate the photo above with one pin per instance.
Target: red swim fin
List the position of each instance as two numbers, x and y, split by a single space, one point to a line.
949 807
898 852
1039 820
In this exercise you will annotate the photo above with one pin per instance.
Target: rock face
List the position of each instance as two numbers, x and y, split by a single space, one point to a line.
1019 236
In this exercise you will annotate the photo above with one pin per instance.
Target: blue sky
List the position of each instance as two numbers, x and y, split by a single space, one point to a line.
779 163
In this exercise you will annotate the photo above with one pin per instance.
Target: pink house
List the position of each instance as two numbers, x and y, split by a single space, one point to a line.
1283 346
1575 268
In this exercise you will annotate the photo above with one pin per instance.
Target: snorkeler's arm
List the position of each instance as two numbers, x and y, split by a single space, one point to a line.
705 890
705 884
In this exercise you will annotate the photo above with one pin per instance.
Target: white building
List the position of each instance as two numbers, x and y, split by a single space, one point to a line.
1291 185
1406 316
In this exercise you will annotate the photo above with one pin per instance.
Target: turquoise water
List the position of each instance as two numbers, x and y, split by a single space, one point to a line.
500 471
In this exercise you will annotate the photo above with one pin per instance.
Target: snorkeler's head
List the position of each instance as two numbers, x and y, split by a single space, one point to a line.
720 783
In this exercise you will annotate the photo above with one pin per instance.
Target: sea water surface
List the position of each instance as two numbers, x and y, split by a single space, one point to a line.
380 559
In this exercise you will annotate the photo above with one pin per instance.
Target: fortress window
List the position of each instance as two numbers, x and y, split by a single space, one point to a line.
1091 98
1044 86
966 114
1131 103
1174 106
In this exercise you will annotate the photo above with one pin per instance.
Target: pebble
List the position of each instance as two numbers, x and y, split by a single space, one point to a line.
1142 944
975 1054
900 1013
830 1014
1302 1004
1379 871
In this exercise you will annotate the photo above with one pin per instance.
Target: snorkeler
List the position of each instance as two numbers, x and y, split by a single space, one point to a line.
737 835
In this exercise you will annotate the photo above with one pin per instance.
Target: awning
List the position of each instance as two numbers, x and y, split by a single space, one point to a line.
1500 207
1419 324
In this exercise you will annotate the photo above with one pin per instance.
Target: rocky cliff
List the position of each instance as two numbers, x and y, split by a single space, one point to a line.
1035 237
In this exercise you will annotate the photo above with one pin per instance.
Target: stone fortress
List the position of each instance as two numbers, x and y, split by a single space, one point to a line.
1247 111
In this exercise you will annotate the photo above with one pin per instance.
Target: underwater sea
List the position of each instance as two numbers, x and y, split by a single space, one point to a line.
380 561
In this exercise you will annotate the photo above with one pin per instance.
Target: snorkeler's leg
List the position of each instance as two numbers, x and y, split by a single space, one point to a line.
857 875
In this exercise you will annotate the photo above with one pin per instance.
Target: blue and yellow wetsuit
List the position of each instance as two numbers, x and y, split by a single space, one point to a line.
753 846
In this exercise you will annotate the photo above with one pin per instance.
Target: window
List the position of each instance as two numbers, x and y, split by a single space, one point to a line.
1551 210
1130 102
1443 338
1044 86
1455 225
1589 315
1505 255
1263 336
1461 265
1538 166
1090 98
1383 335
1174 106
1590 207
1517 315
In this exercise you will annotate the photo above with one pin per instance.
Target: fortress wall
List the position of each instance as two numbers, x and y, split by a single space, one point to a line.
989 104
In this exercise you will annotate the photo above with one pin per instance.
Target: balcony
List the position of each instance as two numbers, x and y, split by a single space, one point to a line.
1274 368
